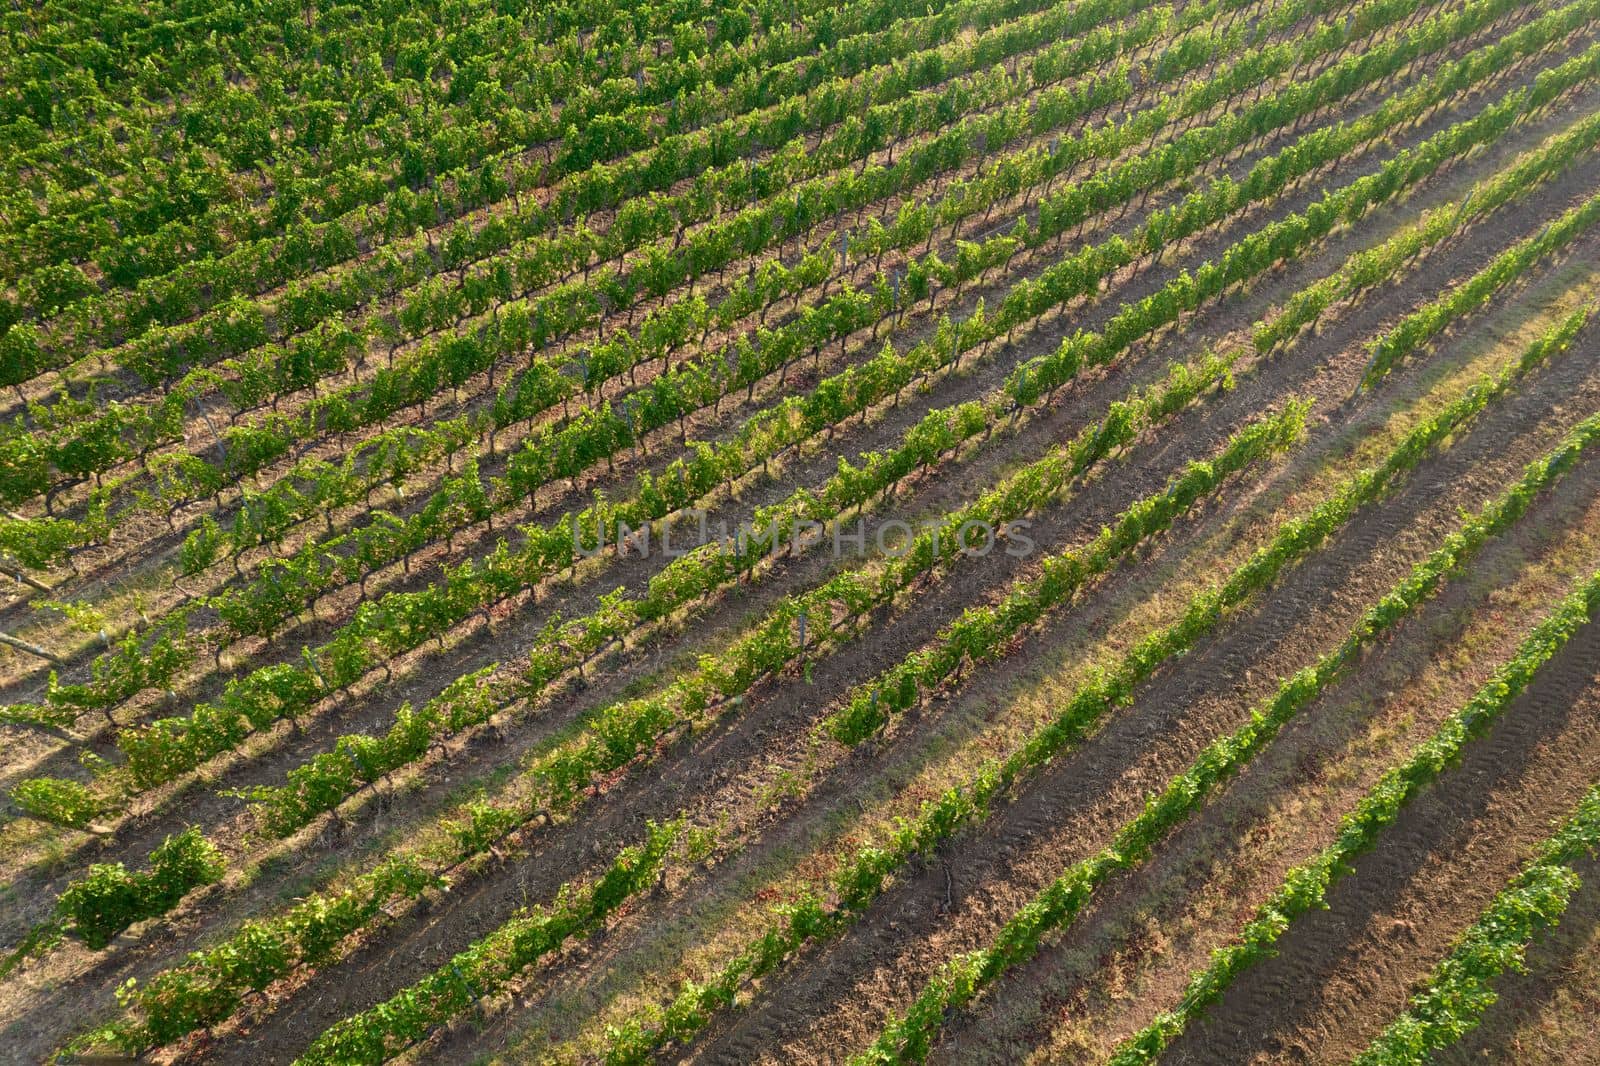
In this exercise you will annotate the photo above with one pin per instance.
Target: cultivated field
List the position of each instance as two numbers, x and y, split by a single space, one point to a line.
806 531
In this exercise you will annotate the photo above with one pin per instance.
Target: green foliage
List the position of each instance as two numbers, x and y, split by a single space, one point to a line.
109 899
57 800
